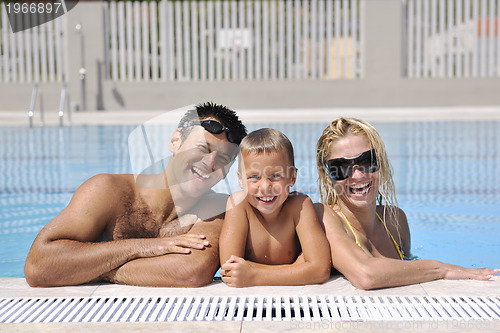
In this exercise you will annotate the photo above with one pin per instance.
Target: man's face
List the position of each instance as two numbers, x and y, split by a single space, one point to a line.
200 161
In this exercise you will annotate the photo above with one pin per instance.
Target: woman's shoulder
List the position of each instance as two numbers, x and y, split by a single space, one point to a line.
326 214
397 223
391 214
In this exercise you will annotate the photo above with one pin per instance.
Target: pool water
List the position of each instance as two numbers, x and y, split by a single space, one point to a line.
447 178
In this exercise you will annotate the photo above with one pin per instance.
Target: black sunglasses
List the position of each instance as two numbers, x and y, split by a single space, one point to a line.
215 127
342 168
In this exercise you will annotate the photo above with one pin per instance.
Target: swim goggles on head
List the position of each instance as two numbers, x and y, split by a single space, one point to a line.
342 168
215 127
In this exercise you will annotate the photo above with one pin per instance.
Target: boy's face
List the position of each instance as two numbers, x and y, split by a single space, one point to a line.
266 180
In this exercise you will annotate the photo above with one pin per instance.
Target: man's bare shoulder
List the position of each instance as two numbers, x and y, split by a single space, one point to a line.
106 189
112 184
211 205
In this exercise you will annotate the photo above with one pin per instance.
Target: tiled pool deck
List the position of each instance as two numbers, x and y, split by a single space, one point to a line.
336 286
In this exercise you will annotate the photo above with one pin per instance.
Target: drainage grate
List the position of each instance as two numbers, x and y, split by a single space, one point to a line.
344 308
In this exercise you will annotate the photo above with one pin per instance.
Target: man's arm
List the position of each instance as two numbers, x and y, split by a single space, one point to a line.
195 269
64 252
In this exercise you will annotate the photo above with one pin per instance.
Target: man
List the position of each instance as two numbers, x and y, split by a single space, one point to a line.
163 229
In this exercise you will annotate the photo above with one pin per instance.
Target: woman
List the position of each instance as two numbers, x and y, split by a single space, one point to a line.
368 234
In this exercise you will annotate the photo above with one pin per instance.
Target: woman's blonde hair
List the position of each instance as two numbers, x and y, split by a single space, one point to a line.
338 129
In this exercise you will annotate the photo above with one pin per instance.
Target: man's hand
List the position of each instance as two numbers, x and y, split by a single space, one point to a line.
237 272
181 244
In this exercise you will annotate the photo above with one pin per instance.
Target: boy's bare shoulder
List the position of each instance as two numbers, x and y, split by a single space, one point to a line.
239 195
237 199
296 201
297 198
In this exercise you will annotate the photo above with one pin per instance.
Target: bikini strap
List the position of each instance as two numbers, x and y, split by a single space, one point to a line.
352 230
396 245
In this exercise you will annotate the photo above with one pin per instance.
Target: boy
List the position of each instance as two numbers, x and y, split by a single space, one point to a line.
266 229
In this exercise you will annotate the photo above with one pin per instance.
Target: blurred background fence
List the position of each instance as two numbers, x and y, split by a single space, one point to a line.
257 54
447 38
234 40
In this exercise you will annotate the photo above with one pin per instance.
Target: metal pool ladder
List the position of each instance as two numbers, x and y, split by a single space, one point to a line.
64 102
248 308
31 112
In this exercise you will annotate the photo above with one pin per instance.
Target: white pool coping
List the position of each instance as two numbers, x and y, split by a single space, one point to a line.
337 285
458 113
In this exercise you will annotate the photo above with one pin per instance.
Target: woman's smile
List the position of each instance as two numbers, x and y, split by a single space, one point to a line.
360 189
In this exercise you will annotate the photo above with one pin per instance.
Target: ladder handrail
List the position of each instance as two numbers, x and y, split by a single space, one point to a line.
64 98
64 103
31 112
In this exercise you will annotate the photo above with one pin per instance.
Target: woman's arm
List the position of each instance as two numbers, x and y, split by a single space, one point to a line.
313 268
365 271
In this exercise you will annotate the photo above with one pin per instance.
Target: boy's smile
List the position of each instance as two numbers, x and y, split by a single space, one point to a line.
266 179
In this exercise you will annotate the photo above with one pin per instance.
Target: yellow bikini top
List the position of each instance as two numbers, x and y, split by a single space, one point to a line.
396 245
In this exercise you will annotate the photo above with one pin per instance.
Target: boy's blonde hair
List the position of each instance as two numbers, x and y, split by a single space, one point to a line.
266 140
338 129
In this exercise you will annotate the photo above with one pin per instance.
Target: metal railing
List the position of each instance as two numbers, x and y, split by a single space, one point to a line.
31 112
64 103
452 38
37 54
234 40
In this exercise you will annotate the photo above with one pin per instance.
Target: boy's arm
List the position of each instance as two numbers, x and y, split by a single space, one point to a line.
314 268
233 237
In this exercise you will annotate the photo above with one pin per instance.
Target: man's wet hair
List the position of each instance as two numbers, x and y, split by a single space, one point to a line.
210 110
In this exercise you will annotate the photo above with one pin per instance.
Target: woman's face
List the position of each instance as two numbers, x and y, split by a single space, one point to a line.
360 189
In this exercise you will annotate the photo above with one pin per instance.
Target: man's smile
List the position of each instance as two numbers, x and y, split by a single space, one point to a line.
197 171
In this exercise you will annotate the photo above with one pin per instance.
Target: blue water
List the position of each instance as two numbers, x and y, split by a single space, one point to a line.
447 177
